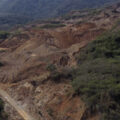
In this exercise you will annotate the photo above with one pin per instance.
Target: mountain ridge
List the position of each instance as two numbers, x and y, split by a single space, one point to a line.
20 12
47 8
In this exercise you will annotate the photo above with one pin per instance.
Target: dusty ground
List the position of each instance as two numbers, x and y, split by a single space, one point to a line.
25 57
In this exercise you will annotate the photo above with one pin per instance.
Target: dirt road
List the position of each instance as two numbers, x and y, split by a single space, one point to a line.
17 107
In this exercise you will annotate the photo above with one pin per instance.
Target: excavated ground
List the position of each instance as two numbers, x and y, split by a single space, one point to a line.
25 57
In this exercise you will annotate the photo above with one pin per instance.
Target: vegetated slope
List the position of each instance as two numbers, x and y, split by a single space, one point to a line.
97 79
8 21
20 12
47 8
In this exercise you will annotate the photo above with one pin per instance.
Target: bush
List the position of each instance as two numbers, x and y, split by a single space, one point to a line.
51 67
97 78
52 26
3 115
1 64
63 74
4 35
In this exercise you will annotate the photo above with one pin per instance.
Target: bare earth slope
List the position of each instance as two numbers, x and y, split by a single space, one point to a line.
28 55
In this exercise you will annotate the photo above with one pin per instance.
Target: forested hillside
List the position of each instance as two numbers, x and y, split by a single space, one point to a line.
47 8
14 12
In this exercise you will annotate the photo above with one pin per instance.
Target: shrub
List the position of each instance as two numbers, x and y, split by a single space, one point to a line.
4 35
1 64
97 78
52 26
51 67
3 115
63 74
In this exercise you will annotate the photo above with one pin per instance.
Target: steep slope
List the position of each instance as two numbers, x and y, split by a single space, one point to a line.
37 61
97 77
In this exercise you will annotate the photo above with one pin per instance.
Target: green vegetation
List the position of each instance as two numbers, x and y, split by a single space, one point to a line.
8 21
24 11
72 16
51 67
1 64
116 25
53 25
55 74
58 74
97 78
47 8
3 115
50 112
94 11
4 35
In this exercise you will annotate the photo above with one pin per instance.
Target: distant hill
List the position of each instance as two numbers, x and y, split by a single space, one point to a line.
47 8
8 21
14 12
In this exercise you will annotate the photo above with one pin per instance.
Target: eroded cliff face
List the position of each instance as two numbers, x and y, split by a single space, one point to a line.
27 55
